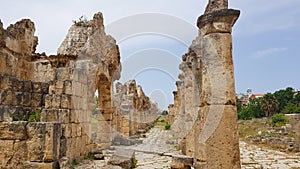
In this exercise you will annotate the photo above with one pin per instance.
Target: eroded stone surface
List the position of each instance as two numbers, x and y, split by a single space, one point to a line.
123 158
134 110
59 89
207 93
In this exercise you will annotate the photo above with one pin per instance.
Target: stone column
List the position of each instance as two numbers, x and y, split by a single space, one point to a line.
216 136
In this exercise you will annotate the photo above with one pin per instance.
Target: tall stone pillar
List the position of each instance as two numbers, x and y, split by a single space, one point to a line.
215 131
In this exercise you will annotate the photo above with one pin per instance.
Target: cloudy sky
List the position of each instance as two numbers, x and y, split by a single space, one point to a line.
153 35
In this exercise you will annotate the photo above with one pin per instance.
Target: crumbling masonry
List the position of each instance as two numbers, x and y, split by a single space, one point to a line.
47 107
134 110
205 100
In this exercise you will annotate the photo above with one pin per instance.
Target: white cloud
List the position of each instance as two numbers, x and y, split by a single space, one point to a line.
268 16
269 52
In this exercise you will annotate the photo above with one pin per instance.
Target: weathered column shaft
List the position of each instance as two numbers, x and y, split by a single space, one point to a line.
216 136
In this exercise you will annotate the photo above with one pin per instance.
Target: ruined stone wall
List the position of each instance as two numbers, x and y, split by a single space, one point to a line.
47 101
134 110
208 93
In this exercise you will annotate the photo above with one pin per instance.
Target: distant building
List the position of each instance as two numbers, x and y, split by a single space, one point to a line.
243 98
255 96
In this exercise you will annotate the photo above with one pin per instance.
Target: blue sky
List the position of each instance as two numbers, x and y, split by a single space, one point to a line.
153 35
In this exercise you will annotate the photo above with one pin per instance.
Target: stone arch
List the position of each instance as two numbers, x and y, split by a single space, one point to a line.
103 85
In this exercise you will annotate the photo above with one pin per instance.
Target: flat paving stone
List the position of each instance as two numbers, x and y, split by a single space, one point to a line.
155 153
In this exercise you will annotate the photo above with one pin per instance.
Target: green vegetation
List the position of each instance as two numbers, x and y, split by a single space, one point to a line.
162 120
285 101
250 111
164 113
291 108
89 156
269 104
74 163
82 21
134 162
21 117
279 120
167 126
33 116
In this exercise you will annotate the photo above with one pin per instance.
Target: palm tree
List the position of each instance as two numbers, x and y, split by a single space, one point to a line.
269 104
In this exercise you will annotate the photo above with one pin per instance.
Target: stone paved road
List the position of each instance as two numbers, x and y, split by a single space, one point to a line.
257 157
154 153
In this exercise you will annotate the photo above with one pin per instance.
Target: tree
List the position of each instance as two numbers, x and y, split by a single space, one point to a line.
239 105
296 99
284 97
291 108
269 104
251 110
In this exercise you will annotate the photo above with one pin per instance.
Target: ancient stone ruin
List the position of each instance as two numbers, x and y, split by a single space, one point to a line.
48 109
134 110
50 114
205 99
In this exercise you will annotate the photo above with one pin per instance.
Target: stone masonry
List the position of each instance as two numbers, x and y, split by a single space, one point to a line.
210 135
134 110
48 109
47 101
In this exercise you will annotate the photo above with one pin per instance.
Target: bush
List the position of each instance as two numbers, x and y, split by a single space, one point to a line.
279 120
167 126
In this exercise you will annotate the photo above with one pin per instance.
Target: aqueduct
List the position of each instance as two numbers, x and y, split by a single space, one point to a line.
48 108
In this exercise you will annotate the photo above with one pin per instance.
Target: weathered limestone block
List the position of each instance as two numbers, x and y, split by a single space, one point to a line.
43 141
27 86
134 108
27 99
219 66
181 162
6 148
66 102
215 5
17 85
2 43
12 153
13 131
217 147
207 87
36 100
20 37
50 115
35 165
65 163
122 158
7 97
64 116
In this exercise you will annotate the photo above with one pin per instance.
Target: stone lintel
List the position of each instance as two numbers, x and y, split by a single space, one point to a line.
220 21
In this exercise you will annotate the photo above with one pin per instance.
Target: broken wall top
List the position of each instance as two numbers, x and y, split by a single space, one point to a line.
19 37
87 40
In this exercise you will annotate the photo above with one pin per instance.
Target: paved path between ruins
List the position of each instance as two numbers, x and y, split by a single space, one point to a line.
155 153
